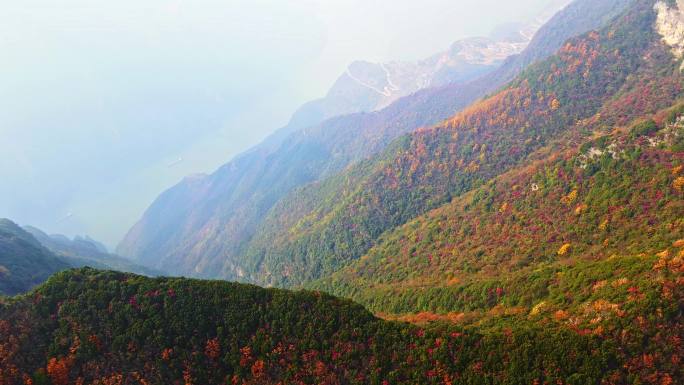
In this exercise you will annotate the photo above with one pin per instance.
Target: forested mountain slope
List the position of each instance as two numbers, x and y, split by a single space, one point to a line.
595 81
24 262
202 226
90 327
554 232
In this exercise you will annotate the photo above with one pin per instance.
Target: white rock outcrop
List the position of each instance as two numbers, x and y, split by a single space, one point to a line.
670 26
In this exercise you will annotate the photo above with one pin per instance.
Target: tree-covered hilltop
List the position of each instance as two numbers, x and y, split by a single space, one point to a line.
93 327
24 262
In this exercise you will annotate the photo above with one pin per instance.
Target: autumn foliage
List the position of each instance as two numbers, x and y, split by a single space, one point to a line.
309 337
535 238
552 107
58 371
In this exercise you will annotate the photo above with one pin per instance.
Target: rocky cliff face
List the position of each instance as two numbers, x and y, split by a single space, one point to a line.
384 83
670 25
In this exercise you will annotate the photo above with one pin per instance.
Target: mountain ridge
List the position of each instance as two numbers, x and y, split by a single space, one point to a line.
429 167
24 262
84 251
198 238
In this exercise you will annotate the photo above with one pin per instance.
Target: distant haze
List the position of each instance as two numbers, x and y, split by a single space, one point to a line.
107 103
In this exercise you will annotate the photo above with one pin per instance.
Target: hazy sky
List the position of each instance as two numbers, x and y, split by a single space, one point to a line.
100 99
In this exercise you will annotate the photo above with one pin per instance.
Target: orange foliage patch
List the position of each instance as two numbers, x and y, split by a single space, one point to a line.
212 349
58 371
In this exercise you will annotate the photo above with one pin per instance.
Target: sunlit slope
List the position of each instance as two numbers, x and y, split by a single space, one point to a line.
609 209
595 82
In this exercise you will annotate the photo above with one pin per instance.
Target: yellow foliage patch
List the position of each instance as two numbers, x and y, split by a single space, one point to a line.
568 199
555 104
473 167
677 263
564 249
660 264
598 285
560 315
678 243
676 170
538 308
603 306
678 183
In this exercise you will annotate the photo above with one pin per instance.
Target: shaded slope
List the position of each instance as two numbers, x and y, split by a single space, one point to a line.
24 262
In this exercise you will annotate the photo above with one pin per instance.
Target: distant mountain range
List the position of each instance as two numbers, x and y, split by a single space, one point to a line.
373 86
367 86
323 137
24 262
84 251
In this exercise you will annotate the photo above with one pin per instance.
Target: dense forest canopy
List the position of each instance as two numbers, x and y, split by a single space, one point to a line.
87 326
